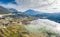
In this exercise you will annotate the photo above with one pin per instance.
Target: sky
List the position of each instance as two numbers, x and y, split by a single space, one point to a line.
49 6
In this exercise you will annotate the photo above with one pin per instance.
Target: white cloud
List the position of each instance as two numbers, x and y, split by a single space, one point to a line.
44 24
10 5
34 3
40 5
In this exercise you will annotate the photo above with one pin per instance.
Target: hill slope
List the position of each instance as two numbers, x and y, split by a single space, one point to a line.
4 10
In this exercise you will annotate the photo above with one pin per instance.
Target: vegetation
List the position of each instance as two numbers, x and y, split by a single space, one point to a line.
17 27
13 31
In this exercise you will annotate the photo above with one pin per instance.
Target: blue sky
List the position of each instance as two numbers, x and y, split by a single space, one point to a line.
7 1
38 5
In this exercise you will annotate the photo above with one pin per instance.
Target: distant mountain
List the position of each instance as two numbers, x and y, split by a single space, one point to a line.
4 10
51 16
31 12
14 11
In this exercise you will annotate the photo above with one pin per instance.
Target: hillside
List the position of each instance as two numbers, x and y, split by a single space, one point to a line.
4 10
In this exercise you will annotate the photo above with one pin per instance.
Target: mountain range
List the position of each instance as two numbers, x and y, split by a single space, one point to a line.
51 16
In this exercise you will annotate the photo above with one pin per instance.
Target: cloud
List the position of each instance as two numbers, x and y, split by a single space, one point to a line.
34 3
10 5
40 5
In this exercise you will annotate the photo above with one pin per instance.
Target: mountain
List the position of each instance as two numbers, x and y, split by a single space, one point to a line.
14 11
31 12
4 10
54 17
51 16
